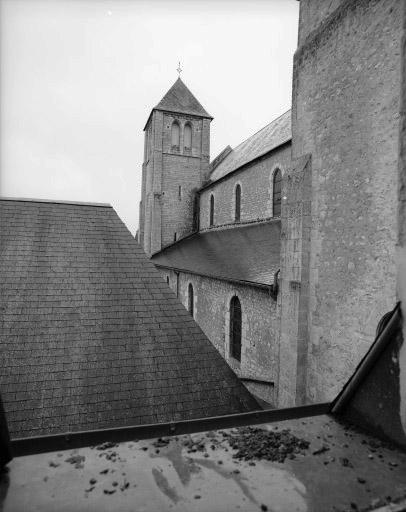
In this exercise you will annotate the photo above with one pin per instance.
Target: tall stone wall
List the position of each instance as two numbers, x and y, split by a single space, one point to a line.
313 13
256 181
177 205
260 326
295 261
346 116
401 255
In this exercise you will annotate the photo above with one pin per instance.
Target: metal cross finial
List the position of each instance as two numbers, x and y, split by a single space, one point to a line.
179 69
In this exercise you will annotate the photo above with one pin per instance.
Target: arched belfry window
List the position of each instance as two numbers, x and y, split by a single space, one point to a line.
187 136
211 210
175 131
237 212
190 305
235 328
277 193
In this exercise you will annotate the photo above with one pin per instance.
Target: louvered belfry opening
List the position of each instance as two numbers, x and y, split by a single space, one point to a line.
277 193
175 134
235 328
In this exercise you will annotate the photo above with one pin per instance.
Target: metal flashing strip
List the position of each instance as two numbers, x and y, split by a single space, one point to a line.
368 361
70 440
258 381
54 201
262 286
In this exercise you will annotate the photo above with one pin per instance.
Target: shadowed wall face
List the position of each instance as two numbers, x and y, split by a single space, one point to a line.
260 326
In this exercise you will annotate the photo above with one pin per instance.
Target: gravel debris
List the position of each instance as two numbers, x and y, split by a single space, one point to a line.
323 449
161 441
256 443
106 446
346 463
125 486
76 460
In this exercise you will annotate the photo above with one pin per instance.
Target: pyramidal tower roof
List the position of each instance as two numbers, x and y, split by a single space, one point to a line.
180 99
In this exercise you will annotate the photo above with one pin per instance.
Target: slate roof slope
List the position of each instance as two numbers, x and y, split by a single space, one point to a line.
180 99
270 137
246 253
90 335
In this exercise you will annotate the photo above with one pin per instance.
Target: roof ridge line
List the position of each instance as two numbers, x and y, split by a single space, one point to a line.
240 167
263 128
54 201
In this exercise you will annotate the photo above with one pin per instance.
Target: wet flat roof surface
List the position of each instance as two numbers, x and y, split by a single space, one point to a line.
341 469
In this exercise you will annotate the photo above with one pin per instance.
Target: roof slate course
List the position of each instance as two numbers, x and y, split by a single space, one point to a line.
180 99
270 137
90 335
249 252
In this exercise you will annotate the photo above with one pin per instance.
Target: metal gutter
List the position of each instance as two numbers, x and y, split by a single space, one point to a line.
368 361
70 440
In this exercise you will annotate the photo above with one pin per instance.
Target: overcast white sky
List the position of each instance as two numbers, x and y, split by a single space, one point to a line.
79 78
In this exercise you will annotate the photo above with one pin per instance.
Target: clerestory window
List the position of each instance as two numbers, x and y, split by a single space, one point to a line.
235 328
237 211
190 299
277 193
211 223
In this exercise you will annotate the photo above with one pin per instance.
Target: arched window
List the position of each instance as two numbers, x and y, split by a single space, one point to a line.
190 299
276 194
235 328
211 210
175 133
237 212
187 136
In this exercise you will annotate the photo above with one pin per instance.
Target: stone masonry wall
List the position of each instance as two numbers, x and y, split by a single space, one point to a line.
295 254
177 209
166 210
260 325
181 168
346 116
313 13
256 181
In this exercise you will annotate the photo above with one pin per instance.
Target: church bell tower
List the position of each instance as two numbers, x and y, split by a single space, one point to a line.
176 164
